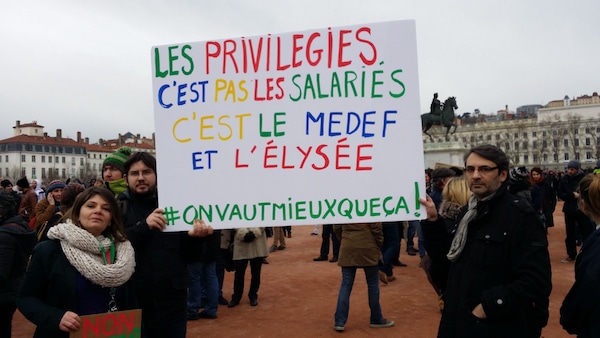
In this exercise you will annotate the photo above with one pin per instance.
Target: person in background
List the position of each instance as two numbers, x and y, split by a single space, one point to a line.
84 269
36 185
360 247
548 197
499 281
28 201
113 170
455 195
278 238
8 186
577 225
326 235
580 310
67 199
16 243
249 247
389 250
204 284
49 205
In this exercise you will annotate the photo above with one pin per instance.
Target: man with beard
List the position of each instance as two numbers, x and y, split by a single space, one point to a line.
161 276
499 279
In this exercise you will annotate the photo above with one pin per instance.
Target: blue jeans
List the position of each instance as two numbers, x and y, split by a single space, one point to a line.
204 285
390 246
415 226
343 303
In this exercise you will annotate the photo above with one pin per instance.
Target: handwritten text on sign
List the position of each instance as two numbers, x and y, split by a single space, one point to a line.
296 128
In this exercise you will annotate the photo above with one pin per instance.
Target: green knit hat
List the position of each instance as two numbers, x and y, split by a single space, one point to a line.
118 158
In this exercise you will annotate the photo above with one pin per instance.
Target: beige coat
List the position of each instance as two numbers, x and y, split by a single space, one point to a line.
360 244
256 248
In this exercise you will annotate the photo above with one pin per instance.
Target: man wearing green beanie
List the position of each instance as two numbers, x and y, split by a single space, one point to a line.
112 170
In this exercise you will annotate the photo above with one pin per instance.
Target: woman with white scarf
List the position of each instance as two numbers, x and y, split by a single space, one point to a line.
84 269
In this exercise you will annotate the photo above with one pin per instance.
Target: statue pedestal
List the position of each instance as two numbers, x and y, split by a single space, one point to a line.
446 153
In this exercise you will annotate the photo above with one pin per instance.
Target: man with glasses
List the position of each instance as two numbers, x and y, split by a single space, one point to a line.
500 279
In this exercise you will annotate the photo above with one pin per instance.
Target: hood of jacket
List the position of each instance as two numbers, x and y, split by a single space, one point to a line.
19 229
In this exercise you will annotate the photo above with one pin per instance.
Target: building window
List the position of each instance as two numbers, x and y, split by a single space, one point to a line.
534 145
64 172
524 135
23 171
32 158
72 160
22 158
535 158
81 161
576 141
64 160
43 158
506 146
544 133
588 155
566 158
524 144
588 141
577 156
587 130
566 143
6 158
526 159
517 145
56 160
33 173
576 131
43 173
534 134
49 159
545 156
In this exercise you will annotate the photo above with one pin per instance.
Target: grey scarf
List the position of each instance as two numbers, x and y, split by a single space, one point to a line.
460 237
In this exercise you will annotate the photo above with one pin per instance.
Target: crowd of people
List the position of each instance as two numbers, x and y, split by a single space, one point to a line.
72 249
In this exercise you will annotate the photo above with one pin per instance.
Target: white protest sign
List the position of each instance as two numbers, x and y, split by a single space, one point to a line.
311 127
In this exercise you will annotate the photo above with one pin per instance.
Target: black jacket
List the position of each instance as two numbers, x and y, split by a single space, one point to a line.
504 266
161 277
567 185
580 311
16 243
49 290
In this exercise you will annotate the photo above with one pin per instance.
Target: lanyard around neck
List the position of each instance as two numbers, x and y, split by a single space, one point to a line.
112 252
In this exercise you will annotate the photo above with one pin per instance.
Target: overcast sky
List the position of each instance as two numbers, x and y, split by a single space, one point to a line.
85 65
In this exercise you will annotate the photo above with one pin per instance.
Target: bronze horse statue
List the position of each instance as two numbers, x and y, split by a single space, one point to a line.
445 119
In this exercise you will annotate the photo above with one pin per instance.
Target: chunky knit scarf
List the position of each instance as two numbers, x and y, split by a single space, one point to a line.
84 253
460 237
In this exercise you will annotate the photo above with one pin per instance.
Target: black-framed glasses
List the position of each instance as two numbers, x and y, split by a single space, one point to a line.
482 170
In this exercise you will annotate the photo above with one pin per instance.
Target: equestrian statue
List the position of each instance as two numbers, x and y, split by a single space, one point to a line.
440 114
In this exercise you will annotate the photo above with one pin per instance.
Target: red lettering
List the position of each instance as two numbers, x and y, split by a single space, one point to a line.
268 156
296 47
279 66
107 328
329 47
366 61
278 83
317 52
90 327
284 156
342 45
229 52
255 56
360 158
210 54
127 322
237 162
339 155
305 157
320 152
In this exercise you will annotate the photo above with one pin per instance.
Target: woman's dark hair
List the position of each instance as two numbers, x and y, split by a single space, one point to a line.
116 229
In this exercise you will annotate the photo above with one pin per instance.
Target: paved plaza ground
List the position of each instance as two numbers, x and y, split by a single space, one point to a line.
297 297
